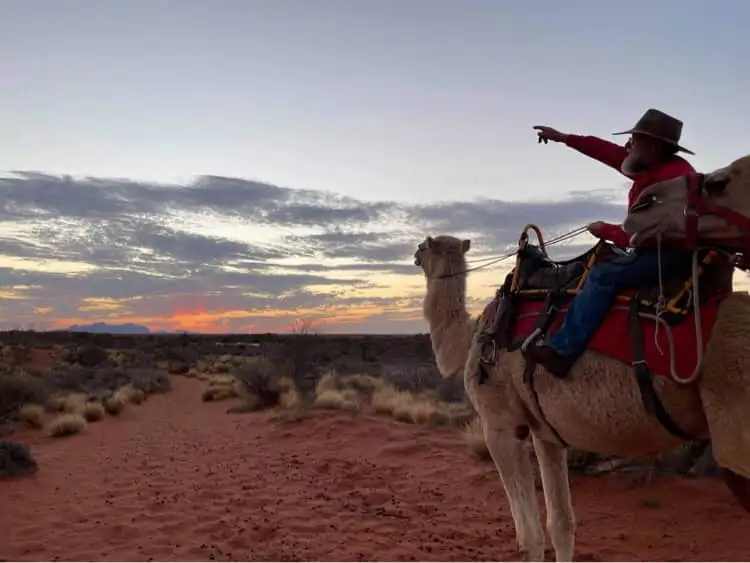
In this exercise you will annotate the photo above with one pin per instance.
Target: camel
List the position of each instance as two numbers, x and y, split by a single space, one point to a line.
597 408
661 208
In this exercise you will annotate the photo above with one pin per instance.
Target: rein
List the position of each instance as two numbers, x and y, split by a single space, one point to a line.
497 259
698 203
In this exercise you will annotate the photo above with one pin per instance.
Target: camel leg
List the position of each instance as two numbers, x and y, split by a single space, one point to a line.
739 485
517 475
561 524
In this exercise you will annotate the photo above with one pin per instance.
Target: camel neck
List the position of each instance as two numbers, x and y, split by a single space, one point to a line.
450 324
445 300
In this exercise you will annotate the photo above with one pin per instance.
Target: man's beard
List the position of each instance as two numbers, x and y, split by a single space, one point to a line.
634 164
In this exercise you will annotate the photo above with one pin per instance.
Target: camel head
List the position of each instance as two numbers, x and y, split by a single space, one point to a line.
661 208
442 256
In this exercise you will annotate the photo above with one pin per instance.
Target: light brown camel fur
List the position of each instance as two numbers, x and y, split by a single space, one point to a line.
662 206
597 408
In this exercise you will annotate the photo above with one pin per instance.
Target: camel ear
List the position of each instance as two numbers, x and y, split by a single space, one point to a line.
465 245
431 242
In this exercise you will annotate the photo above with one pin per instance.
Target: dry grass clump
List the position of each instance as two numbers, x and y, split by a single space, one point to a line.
32 415
413 408
473 436
115 404
363 384
134 395
94 411
72 403
258 385
289 395
383 400
337 392
330 393
19 387
127 394
66 424
219 393
221 387
332 399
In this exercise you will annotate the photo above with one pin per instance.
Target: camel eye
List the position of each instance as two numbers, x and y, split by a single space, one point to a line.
716 186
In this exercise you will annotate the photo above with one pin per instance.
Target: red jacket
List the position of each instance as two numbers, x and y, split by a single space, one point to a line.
613 155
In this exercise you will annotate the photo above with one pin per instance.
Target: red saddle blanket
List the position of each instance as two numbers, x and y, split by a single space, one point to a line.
613 336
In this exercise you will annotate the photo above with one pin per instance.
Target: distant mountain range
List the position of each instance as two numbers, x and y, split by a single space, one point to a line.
125 328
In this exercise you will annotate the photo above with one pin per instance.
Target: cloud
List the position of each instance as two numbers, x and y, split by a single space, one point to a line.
231 254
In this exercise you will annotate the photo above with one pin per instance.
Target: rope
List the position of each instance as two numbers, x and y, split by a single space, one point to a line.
698 328
695 296
660 302
492 260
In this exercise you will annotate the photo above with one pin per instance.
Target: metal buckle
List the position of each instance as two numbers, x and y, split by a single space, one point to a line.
484 357
689 211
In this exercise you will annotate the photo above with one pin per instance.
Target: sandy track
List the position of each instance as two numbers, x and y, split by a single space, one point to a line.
177 479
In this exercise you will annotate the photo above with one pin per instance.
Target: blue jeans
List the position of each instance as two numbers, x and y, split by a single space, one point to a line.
588 309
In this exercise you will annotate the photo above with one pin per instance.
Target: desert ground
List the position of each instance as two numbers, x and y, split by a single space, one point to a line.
305 447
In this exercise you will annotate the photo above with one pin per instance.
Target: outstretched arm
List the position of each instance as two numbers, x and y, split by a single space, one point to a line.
606 152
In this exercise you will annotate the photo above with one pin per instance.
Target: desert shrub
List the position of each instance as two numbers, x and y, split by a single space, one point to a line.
330 393
89 356
93 411
140 359
66 424
99 381
16 354
178 367
16 460
150 381
66 403
219 393
460 414
32 415
451 390
384 399
419 408
177 352
115 404
130 394
258 385
18 387
222 368
364 384
413 378
330 381
259 379
289 396
336 400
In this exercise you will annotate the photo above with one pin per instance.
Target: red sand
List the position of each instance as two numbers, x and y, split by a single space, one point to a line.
178 479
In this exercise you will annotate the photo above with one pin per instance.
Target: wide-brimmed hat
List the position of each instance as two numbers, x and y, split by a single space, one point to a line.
659 125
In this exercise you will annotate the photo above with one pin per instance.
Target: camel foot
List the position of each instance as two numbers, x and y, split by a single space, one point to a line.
739 485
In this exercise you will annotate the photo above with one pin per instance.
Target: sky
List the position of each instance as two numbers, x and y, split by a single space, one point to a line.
235 165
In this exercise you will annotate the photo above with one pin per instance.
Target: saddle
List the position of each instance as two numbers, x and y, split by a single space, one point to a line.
536 277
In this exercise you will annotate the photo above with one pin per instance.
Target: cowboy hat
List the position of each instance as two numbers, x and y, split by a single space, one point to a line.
661 126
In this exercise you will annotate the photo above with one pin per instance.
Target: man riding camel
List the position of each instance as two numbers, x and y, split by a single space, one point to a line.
649 156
